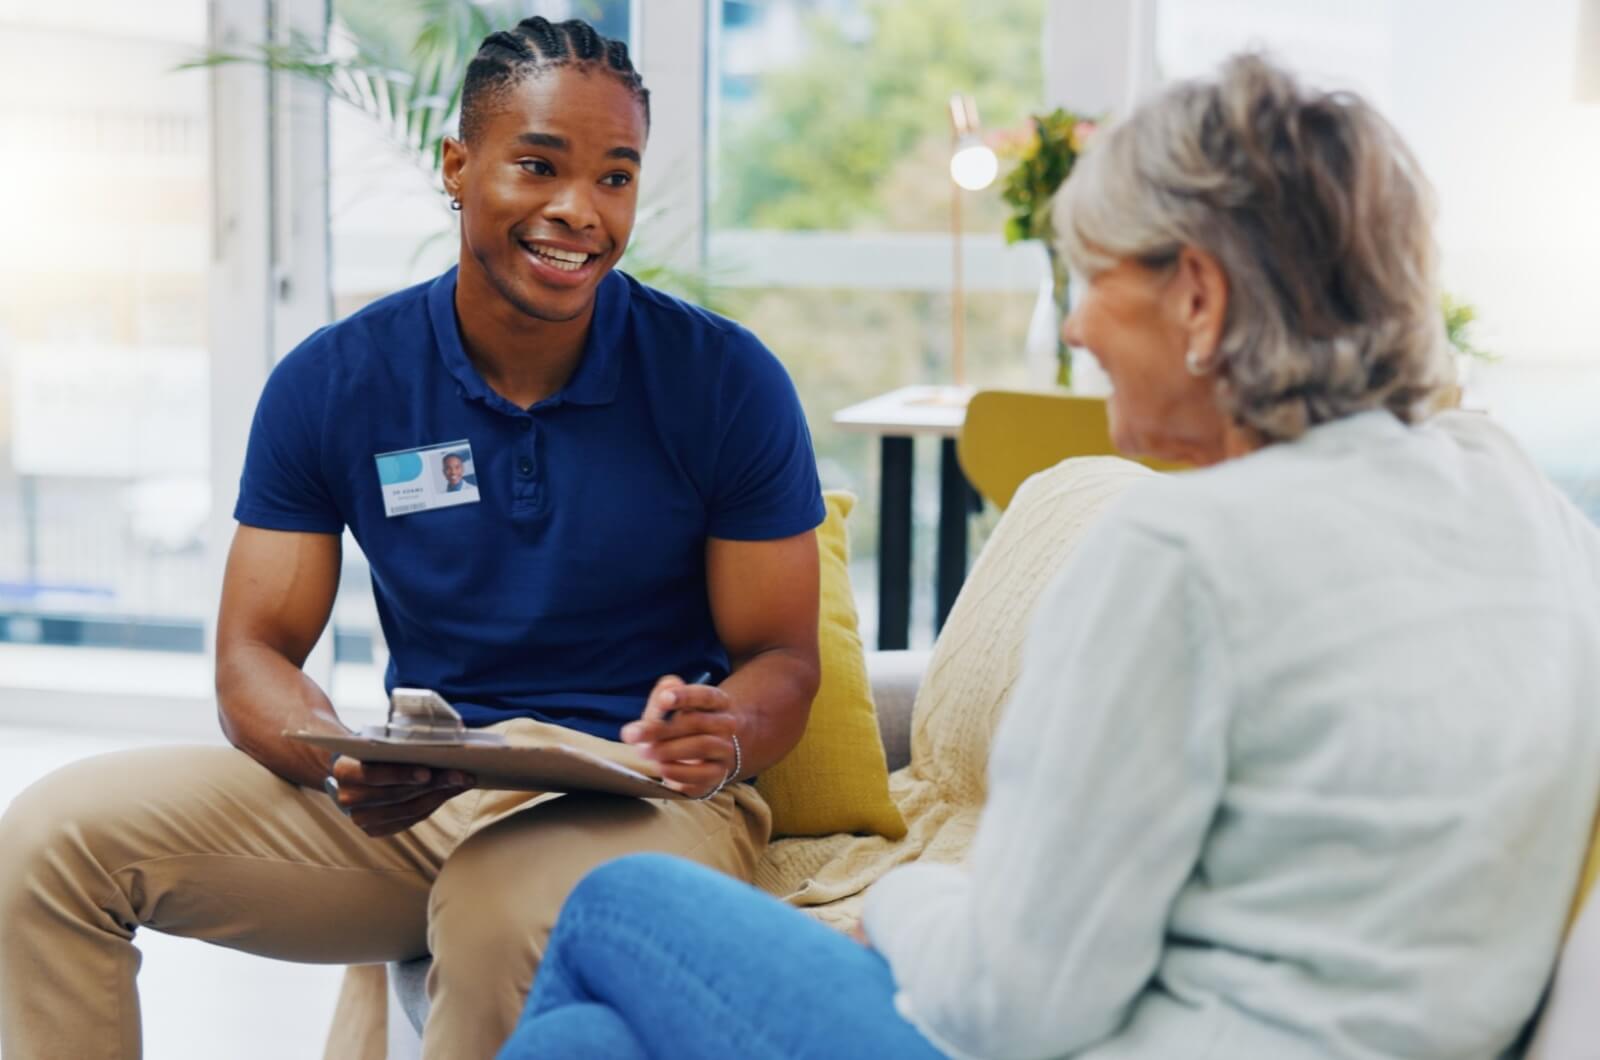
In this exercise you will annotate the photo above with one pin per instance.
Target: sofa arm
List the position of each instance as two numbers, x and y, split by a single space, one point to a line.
895 677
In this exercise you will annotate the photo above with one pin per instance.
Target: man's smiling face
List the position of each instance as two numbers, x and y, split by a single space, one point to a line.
549 187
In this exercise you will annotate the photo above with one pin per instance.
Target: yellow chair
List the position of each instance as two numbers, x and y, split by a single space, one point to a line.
1011 434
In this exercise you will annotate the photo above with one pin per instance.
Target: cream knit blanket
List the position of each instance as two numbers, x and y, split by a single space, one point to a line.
974 665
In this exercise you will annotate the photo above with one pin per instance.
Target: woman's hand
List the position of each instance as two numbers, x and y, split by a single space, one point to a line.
688 731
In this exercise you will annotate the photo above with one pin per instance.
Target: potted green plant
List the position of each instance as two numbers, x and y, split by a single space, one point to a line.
1460 318
1042 156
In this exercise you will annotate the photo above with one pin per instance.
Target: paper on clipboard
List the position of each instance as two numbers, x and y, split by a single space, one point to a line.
531 756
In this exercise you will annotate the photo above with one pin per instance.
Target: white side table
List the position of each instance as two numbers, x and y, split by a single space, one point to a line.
897 418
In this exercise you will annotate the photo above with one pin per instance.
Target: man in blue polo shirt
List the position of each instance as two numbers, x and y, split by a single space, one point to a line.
644 506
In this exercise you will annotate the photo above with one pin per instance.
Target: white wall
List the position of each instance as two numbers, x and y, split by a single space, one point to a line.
1485 93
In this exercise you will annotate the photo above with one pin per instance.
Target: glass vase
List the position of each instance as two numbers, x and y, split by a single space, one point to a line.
1060 294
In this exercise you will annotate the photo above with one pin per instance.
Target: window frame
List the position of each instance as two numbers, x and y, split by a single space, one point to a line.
267 289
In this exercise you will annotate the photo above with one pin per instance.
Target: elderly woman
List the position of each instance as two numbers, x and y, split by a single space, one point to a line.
1306 749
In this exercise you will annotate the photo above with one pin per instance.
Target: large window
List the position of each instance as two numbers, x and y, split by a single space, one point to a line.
831 210
110 355
104 452
827 209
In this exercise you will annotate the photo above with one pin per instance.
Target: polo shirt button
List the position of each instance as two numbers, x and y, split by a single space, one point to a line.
525 466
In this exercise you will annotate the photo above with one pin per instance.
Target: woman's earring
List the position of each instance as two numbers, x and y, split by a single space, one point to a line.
455 204
1196 364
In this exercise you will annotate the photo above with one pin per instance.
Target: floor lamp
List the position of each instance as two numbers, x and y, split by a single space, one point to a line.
973 167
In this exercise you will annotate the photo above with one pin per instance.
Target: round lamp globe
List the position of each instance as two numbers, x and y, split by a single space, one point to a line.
974 167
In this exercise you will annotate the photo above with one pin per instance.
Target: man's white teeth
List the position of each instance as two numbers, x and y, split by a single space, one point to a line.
565 260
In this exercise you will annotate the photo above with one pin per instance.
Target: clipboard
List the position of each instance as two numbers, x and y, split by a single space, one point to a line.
425 730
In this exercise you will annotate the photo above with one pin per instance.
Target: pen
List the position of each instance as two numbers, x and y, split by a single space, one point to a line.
666 716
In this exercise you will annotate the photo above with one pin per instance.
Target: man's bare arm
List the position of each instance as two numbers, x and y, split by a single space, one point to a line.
764 600
277 595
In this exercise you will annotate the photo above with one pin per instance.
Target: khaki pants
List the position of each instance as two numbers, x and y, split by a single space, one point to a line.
205 843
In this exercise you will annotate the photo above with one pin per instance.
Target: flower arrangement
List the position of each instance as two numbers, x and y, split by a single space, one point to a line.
1043 154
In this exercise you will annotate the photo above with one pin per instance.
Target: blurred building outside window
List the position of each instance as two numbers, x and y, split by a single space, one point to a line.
104 367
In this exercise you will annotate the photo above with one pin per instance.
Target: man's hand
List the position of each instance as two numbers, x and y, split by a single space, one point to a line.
383 799
688 731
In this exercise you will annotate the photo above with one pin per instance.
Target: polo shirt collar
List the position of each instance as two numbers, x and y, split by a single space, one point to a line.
599 371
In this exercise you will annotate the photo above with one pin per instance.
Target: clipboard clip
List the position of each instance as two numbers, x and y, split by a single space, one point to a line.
420 715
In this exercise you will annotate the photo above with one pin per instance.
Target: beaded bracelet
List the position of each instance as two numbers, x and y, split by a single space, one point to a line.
738 765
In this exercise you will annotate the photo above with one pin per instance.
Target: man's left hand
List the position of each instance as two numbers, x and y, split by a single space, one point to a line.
688 731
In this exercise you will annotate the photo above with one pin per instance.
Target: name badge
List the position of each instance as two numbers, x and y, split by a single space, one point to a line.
427 477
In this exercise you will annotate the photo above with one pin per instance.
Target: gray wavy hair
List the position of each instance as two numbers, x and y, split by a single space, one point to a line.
1318 215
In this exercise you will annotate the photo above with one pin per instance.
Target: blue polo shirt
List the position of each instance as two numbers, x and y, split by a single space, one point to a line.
574 574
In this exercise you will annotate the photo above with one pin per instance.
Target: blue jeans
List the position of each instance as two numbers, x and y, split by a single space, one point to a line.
658 958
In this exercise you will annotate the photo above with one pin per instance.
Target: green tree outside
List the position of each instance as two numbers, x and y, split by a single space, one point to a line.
856 137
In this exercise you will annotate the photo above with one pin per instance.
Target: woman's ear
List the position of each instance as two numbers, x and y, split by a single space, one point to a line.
1201 289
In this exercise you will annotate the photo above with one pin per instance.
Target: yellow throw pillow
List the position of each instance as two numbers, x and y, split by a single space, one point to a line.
836 778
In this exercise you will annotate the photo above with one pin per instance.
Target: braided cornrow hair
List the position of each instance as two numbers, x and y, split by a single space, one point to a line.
534 45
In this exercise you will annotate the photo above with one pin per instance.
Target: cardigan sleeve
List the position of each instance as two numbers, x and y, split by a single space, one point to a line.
1106 772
